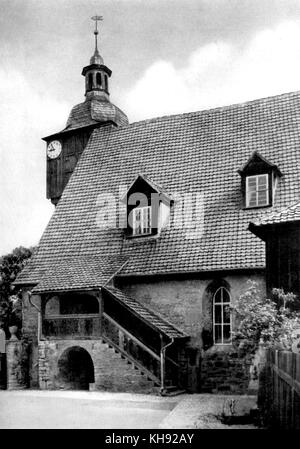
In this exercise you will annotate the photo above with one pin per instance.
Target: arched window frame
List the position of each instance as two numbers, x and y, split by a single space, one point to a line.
222 304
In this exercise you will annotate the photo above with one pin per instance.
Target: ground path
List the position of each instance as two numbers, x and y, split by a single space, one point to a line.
30 409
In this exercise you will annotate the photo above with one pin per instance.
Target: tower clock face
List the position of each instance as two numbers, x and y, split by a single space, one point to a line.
54 149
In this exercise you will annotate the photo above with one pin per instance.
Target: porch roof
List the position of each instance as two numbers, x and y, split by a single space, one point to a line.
79 273
151 318
284 215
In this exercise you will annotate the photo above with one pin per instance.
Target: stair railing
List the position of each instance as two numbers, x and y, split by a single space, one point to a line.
131 347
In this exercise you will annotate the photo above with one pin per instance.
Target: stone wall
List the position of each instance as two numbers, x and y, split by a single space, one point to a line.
184 302
188 304
17 365
111 371
225 372
30 332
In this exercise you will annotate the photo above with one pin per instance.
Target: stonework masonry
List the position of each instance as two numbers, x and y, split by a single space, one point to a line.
184 302
111 371
225 372
17 365
30 333
188 304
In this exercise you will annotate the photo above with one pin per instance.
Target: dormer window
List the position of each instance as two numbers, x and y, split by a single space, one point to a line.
147 208
259 181
257 190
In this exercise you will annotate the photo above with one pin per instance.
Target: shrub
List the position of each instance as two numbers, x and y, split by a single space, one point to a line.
10 301
266 321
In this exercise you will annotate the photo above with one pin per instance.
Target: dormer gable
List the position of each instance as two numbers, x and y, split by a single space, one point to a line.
147 205
259 179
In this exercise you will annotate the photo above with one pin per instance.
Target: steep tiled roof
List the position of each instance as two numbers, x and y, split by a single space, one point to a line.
79 273
145 313
285 215
198 152
93 111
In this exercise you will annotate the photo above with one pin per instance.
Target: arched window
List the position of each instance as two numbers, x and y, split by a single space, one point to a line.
106 82
221 317
90 81
99 79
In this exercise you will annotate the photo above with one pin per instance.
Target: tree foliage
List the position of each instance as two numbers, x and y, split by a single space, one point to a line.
10 305
261 320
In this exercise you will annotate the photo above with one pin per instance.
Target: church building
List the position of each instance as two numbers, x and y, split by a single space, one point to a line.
131 285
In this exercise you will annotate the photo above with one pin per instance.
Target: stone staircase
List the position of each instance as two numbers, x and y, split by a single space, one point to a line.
119 372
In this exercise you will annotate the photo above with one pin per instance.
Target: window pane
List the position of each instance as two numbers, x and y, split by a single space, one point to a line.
222 316
138 228
142 220
252 198
257 191
226 297
226 333
218 334
218 314
262 181
263 197
252 183
218 296
146 219
226 314
137 221
138 214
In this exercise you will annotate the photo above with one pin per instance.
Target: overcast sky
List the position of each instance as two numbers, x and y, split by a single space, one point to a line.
167 56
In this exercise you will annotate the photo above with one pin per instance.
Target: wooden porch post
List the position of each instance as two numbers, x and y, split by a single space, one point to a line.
162 363
101 309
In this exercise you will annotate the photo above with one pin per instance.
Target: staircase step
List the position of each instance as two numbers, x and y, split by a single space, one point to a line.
139 379
172 392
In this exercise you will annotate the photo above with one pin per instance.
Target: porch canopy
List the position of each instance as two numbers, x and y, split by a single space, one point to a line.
152 319
79 273
134 330
96 273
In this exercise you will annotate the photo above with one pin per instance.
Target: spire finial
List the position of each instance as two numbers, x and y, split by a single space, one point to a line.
96 32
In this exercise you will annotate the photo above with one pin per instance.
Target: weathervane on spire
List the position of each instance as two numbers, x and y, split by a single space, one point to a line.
96 32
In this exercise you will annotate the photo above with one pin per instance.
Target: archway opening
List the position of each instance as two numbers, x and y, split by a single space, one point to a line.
76 369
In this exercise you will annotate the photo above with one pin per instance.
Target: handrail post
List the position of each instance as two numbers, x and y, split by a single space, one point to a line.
163 362
121 339
100 301
162 370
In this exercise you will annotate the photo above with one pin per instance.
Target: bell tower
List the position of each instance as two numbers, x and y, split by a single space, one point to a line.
96 74
65 147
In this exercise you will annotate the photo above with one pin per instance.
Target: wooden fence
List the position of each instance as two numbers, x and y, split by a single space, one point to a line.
281 387
2 371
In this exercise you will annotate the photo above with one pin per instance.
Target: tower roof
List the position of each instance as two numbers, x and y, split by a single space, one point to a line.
97 107
96 58
94 111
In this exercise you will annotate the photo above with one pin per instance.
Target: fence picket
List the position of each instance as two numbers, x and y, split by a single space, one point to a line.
283 392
